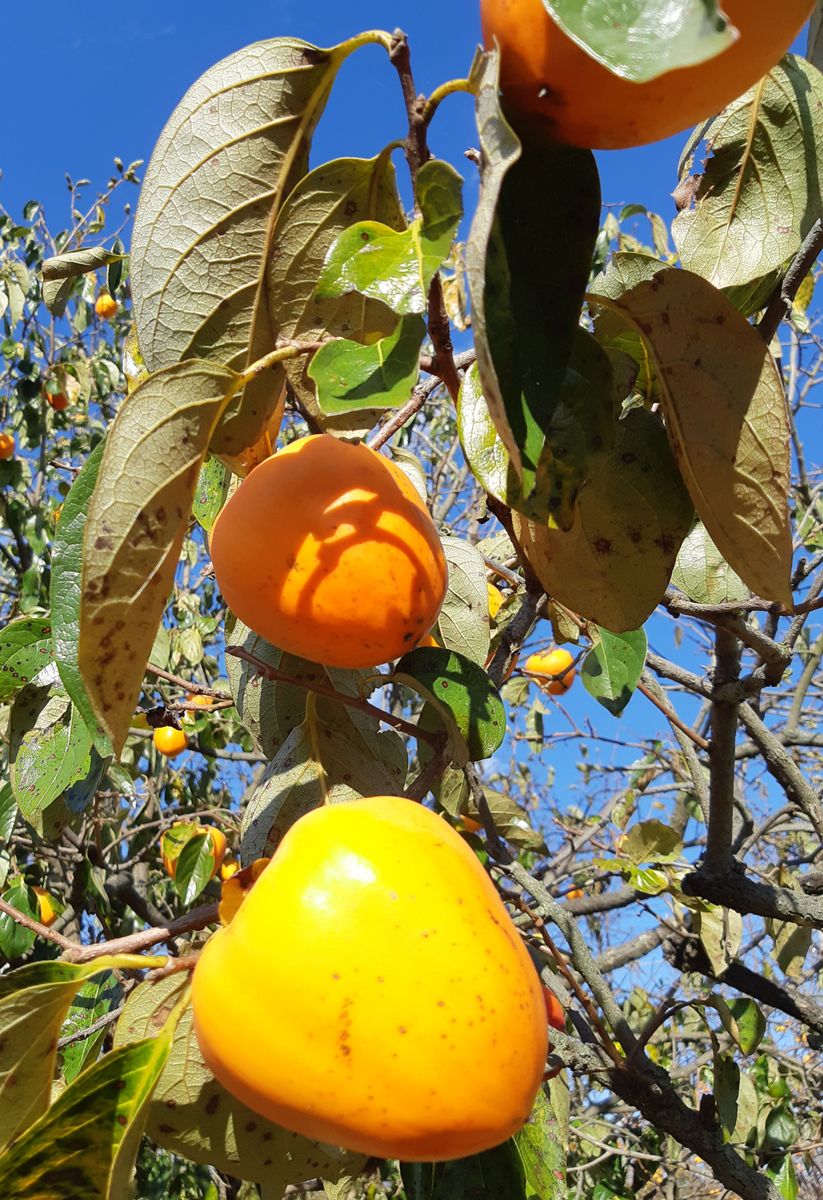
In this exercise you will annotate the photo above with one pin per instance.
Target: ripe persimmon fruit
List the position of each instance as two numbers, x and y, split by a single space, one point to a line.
556 666
554 1009
372 991
169 741
57 400
216 837
105 306
6 447
549 83
327 551
495 600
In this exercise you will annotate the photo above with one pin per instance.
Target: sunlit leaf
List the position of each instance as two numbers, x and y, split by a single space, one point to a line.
350 376
612 668
25 648
462 691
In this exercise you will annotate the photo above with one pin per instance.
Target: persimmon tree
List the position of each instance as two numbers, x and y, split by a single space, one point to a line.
610 420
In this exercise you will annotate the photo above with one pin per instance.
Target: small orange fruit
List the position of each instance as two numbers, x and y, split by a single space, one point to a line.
181 834
57 400
201 700
229 869
6 447
105 306
575 894
362 1038
169 741
550 84
554 1009
327 551
47 911
557 666
495 600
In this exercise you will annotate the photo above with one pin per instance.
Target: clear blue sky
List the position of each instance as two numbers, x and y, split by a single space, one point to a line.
103 81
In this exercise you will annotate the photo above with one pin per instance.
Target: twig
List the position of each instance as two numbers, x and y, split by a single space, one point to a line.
133 943
81 1034
780 304
721 754
660 702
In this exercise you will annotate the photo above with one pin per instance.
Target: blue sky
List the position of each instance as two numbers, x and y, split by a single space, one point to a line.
105 85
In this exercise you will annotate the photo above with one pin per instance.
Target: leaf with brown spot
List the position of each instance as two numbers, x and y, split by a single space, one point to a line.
85 1144
34 1001
193 1115
135 526
614 564
726 418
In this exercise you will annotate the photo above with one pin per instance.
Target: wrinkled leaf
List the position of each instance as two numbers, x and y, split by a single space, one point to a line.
720 930
136 522
462 691
611 670
59 273
192 1115
25 648
510 820
614 564
650 841
463 623
726 419
394 267
703 574
751 210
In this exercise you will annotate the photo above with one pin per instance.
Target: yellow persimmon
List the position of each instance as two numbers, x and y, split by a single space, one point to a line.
105 306
372 991
169 741
556 666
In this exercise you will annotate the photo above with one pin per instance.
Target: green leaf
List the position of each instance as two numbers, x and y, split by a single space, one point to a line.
720 930
25 648
15 939
650 38
614 564
66 572
463 623
783 1176
726 418
327 201
650 841
49 749
212 489
781 1129
75 1148
703 574
527 284
34 1001
542 1142
195 867
397 268
8 816
748 1023
751 210
726 1090
191 1114
350 376
136 522
791 945
460 690
510 820
624 272
493 1175
611 670
94 999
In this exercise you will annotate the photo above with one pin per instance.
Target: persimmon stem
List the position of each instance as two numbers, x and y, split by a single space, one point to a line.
440 93
330 693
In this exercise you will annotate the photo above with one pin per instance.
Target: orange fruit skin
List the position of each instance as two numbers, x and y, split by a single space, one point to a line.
555 663
57 400
46 912
372 991
554 1009
6 447
549 83
169 741
105 306
327 551
200 700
